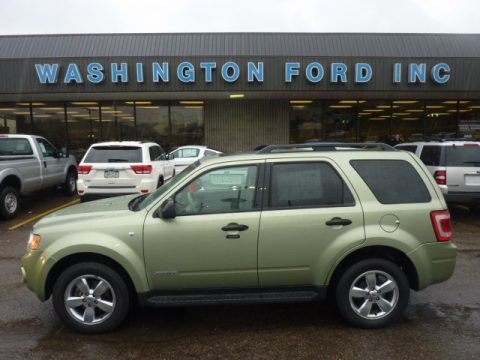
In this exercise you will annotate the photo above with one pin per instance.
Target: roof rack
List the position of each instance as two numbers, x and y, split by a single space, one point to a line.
326 146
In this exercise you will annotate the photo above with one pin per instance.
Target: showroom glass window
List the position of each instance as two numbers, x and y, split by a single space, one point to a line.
340 120
83 123
15 118
108 122
49 122
152 122
469 118
407 119
125 120
374 118
187 124
305 121
441 118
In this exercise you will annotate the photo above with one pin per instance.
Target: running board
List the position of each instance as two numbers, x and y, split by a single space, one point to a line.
217 297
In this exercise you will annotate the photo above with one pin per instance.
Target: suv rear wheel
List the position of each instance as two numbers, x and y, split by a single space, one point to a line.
372 293
91 298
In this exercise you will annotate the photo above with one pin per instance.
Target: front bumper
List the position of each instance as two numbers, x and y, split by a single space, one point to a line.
435 262
33 268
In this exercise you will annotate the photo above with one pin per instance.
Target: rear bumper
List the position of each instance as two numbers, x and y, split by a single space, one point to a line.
434 262
145 186
462 197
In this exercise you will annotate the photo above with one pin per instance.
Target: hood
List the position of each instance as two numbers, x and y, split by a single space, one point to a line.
88 212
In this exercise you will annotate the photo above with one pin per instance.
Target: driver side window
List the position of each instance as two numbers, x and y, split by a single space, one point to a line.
224 190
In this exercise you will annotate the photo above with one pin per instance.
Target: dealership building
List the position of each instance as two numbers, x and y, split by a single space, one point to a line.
235 91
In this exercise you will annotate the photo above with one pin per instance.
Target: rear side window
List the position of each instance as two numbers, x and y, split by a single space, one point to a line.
392 181
186 153
431 155
462 156
409 148
15 147
307 185
112 154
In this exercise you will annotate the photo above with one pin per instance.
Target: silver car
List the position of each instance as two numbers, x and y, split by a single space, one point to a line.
455 165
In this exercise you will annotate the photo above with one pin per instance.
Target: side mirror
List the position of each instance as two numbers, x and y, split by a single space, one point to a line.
167 210
65 152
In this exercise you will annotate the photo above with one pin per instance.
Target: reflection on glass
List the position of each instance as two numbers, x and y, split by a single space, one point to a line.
187 125
15 119
305 121
340 120
49 122
125 121
469 118
374 118
441 119
407 123
152 122
83 123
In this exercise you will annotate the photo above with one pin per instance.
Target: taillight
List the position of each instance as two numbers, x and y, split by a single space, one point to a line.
142 169
84 169
470 144
442 225
440 177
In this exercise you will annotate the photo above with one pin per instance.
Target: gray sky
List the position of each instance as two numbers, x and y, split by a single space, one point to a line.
116 16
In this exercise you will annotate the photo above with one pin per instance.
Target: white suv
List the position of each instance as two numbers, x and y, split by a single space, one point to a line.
125 167
455 165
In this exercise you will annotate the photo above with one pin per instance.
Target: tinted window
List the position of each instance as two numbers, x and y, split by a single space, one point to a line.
307 184
15 147
462 156
109 154
208 153
230 189
431 155
410 148
392 181
155 153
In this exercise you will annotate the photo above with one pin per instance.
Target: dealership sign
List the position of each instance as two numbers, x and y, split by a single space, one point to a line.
230 72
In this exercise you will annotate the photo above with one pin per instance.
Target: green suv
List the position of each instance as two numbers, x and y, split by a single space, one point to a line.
289 223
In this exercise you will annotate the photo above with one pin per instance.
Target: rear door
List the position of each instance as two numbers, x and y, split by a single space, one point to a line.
112 167
463 167
309 213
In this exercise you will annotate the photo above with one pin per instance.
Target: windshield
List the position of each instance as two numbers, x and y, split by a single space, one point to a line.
109 154
150 199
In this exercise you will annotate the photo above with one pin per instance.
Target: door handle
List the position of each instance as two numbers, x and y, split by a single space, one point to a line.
235 227
336 221
45 164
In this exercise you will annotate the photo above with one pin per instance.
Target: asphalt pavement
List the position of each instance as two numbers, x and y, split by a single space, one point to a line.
441 322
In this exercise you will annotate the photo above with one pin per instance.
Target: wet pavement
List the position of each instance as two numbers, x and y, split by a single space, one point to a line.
441 322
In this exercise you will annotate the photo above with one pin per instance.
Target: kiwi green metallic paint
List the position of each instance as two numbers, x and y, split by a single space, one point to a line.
283 249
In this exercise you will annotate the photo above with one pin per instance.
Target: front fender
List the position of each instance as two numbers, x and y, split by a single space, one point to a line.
128 256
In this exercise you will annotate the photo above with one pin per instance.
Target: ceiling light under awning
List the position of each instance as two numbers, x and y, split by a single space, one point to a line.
301 102
237 96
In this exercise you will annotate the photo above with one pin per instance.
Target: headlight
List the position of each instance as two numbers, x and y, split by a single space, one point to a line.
33 242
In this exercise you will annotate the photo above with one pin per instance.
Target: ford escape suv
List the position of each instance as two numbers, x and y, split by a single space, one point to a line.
455 165
289 223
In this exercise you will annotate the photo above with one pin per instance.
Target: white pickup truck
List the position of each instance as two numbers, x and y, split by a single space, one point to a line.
29 163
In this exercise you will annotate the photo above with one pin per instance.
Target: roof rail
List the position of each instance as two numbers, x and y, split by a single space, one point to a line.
325 146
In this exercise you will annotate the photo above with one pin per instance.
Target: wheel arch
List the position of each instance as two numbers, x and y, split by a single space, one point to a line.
382 252
73 259
12 180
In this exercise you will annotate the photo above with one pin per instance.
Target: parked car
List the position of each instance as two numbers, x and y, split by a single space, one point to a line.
455 165
186 155
123 167
357 225
29 163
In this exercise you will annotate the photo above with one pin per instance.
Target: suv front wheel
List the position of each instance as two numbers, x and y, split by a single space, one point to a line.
372 293
91 298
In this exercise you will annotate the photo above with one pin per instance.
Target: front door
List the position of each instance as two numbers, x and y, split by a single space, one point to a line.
212 241
52 166
309 215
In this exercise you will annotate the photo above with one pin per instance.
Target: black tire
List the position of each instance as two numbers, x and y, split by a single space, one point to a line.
117 294
70 185
379 269
160 182
9 202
